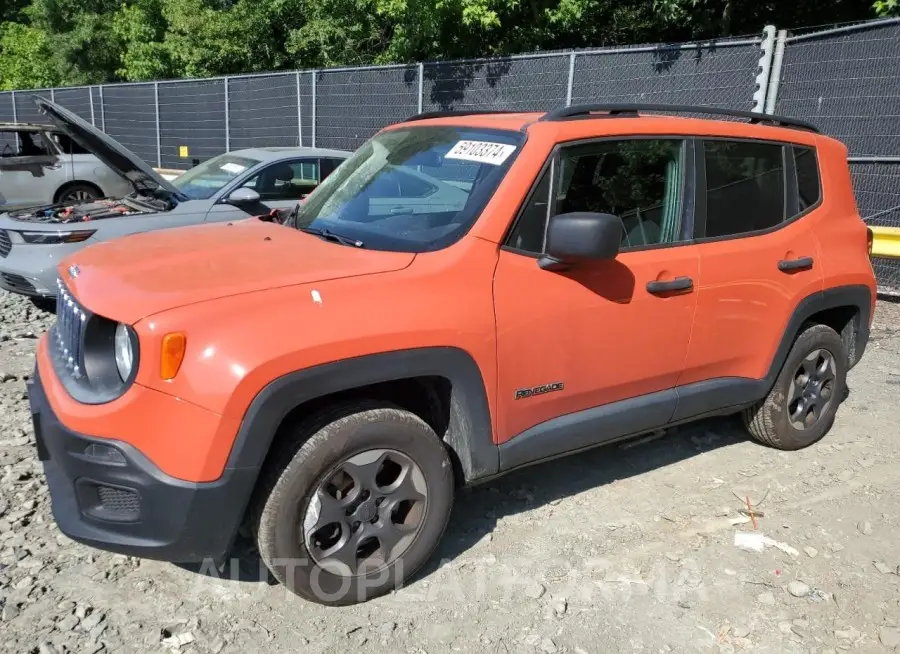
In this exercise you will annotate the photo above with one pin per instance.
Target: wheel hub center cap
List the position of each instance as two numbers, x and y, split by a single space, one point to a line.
367 511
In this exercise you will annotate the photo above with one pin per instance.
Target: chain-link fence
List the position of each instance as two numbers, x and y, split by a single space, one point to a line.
178 122
845 80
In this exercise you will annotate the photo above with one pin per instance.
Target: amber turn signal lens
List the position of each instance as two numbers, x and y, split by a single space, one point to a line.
173 347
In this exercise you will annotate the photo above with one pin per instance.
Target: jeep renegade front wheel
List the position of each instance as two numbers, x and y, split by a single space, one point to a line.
801 406
358 504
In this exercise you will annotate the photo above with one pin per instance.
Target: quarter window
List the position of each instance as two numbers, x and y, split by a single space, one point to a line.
807 167
641 181
744 187
528 234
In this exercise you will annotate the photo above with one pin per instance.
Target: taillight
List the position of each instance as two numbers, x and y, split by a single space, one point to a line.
870 239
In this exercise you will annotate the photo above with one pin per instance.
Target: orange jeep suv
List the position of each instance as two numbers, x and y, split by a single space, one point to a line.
468 294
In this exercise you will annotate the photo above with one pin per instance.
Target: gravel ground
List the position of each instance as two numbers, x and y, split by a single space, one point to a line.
625 549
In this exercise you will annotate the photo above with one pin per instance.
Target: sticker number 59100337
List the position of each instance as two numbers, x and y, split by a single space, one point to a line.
481 151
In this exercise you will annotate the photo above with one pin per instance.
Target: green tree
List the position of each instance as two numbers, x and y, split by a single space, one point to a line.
92 41
887 7
140 29
25 58
84 49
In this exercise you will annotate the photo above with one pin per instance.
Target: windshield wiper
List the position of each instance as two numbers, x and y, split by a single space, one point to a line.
322 232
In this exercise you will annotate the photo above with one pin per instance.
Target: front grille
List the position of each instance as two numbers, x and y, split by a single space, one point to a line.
68 332
5 243
119 502
17 283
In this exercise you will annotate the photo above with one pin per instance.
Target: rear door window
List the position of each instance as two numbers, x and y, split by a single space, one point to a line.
745 189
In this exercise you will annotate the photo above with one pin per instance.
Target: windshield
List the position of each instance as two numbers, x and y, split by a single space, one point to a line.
412 189
201 182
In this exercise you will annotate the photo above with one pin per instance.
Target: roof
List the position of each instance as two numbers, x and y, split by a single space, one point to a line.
499 120
653 118
278 153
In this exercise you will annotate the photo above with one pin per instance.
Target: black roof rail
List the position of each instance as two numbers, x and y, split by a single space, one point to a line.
576 112
451 114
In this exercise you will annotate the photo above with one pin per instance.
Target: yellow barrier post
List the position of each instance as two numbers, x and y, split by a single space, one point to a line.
887 242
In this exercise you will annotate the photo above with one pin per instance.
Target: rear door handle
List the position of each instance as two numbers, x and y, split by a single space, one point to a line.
677 284
790 265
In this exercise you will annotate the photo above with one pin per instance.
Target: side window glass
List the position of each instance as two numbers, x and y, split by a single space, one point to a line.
67 145
744 187
286 180
807 166
640 181
326 167
9 144
31 144
305 179
528 233
24 143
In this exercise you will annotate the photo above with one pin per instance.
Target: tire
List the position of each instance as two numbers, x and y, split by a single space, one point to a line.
289 510
77 193
780 420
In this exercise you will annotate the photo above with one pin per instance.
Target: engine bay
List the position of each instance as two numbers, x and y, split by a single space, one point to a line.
79 213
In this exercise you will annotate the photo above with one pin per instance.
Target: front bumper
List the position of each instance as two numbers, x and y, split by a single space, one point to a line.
107 494
32 269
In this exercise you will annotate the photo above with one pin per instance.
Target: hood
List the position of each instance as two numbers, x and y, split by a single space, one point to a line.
115 155
130 278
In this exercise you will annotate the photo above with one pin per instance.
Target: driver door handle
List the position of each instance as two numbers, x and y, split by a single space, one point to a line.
677 284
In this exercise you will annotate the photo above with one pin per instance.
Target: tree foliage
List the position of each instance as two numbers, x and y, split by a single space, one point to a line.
45 42
887 7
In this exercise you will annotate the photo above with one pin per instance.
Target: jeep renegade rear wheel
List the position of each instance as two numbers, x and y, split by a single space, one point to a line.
801 406
359 503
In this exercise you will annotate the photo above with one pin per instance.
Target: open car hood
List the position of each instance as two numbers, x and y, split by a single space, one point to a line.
108 150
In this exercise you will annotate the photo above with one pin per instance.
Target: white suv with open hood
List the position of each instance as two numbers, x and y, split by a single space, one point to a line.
231 186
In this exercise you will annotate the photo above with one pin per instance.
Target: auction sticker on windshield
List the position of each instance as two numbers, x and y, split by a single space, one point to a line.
481 151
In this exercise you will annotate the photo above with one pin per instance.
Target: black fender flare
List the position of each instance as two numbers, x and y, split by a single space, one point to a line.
469 432
857 296
730 394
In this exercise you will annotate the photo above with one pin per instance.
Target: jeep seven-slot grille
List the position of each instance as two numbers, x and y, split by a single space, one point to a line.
5 243
68 332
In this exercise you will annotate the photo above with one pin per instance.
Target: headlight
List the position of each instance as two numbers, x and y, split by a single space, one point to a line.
55 238
124 351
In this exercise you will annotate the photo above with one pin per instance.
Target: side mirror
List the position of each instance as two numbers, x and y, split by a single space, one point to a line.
581 236
243 195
